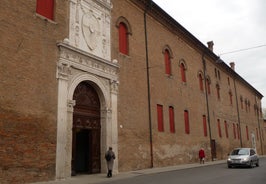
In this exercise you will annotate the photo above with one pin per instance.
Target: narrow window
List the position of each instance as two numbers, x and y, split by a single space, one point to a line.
186 119
218 91
226 129
204 125
160 117
172 119
200 82
228 81
231 98
45 8
247 132
219 128
241 102
183 72
167 62
246 105
123 39
208 83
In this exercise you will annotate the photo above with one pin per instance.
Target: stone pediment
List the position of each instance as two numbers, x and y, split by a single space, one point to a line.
74 58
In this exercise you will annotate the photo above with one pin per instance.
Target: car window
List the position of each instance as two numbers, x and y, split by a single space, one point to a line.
240 152
252 152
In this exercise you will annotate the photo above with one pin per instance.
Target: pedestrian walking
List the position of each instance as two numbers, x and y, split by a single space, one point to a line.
201 156
110 156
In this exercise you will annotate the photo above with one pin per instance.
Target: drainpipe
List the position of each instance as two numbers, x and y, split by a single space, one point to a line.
232 65
258 113
207 104
238 117
148 6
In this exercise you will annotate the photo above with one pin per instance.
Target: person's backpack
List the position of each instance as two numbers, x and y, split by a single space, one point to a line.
108 157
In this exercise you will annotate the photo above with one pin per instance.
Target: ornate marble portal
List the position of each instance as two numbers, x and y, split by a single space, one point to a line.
85 56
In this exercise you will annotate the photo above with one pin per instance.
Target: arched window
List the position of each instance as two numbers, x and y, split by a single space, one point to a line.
183 69
219 128
186 119
230 97
160 118
171 119
124 30
167 62
208 85
45 8
168 55
204 125
226 129
218 91
123 39
200 81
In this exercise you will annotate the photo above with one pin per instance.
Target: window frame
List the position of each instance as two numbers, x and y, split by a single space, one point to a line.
46 8
160 118
186 121
171 119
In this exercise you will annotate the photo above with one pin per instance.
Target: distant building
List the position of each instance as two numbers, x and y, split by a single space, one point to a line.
78 76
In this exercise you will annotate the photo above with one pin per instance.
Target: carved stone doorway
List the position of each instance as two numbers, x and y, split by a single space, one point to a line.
86 133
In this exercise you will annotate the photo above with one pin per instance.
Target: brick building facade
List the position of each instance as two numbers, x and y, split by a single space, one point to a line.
78 76
171 113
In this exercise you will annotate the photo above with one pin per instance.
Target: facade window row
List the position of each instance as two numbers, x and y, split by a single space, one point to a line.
160 119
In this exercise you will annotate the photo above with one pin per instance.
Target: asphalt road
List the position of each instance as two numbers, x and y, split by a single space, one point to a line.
213 174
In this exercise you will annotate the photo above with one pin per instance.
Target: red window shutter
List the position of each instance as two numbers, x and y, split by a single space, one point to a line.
234 130
201 82
183 72
160 118
219 128
123 40
167 62
218 92
45 8
247 132
226 129
186 118
208 86
172 119
204 126
231 98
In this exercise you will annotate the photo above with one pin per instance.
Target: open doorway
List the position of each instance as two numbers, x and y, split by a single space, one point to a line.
86 131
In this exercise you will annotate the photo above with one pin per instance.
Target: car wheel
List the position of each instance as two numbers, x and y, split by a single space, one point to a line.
229 166
257 164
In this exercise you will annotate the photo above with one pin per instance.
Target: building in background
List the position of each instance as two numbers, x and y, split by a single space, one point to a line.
78 76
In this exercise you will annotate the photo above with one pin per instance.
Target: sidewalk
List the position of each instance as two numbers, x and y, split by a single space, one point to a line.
98 178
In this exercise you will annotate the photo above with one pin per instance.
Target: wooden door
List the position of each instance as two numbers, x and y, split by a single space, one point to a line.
86 131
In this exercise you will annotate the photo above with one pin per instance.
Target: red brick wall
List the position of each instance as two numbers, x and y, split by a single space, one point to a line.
28 90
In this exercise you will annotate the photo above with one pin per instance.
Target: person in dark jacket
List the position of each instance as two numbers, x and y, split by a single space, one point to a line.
201 155
110 156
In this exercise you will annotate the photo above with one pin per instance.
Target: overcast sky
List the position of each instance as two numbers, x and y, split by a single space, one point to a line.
232 25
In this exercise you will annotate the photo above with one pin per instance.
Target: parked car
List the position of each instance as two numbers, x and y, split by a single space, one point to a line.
243 157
